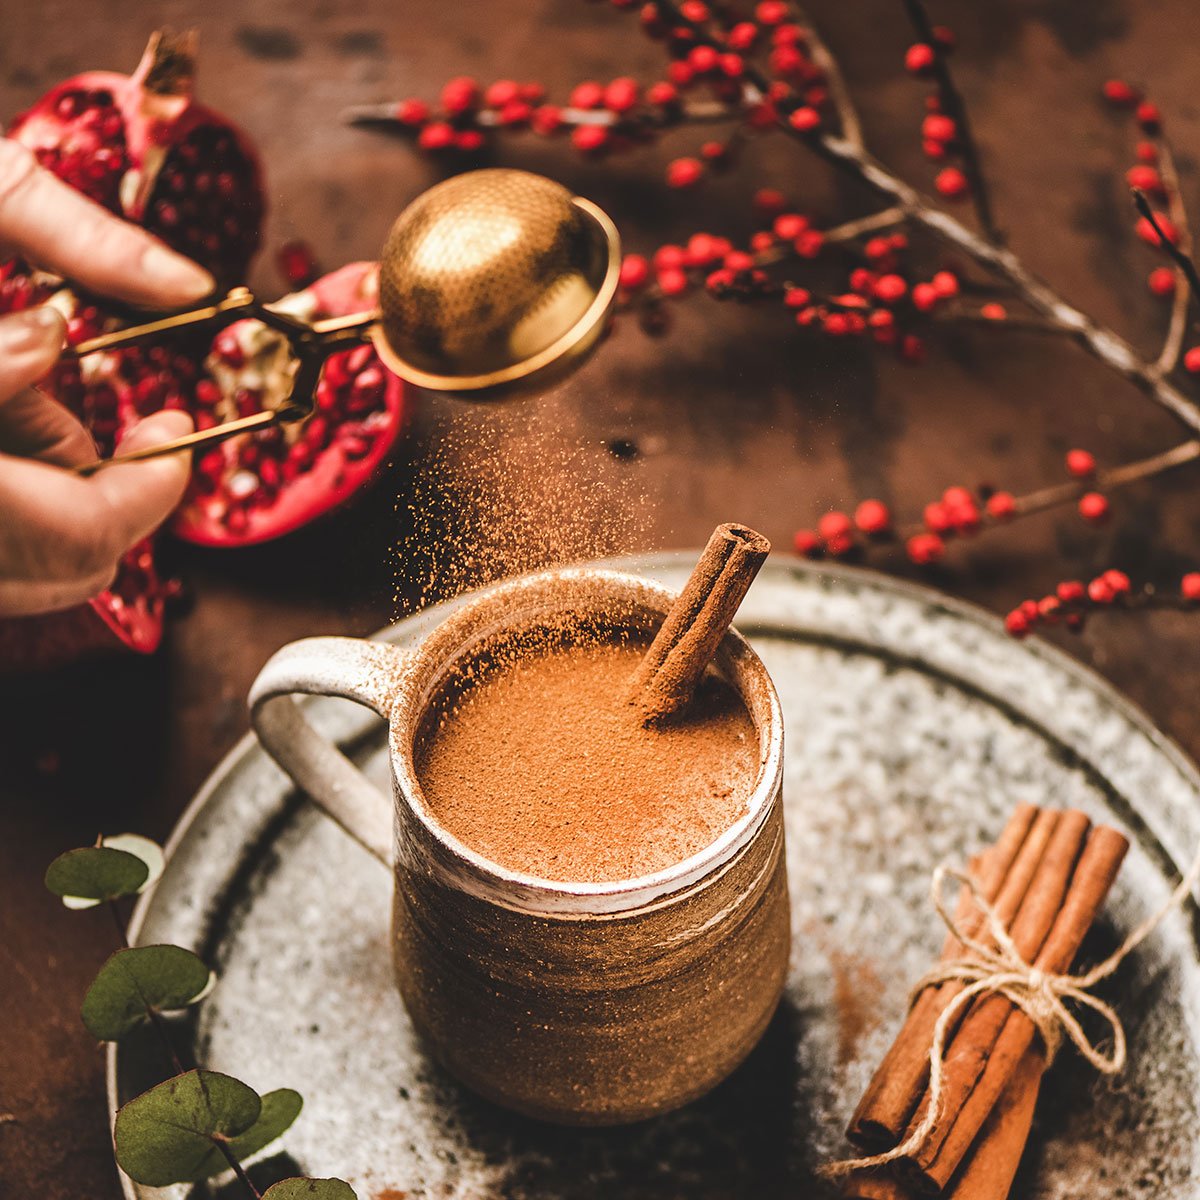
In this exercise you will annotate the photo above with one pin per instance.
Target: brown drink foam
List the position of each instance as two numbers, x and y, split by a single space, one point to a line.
533 756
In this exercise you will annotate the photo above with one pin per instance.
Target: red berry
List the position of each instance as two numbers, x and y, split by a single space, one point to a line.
796 297
662 94
412 112
670 256
924 297
1117 580
938 518
732 66
1147 152
925 548
469 140
1162 281
805 119
437 135
1100 592
1146 178
1190 586
1017 623
945 283
684 172
770 12
809 243
806 543
460 95
1146 231
769 203
1081 463
743 36
789 226
839 546
873 516
695 11
1149 116
1048 607
1002 506
994 312
934 151
1191 360
589 95
944 36
738 261
878 248
835 524
547 119
958 497
1093 507
952 183
713 151
672 282
621 95
912 349
719 279
1070 591
1117 91
502 93
891 288
590 139
919 58
762 240
703 59
681 73
635 272
937 127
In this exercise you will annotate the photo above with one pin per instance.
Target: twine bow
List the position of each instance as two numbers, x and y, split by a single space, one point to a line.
1041 995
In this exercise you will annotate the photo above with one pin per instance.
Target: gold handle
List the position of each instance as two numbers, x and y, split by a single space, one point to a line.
205 437
238 299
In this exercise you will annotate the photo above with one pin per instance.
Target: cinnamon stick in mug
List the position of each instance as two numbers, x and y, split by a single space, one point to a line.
689 636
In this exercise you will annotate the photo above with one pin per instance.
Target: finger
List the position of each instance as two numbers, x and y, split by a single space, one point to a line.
30 343
60 527
22 598
57 228
32 424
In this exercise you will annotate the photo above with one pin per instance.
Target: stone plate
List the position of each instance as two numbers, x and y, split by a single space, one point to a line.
913 727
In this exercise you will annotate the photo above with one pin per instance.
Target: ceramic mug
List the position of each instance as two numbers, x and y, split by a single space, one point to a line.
583 1003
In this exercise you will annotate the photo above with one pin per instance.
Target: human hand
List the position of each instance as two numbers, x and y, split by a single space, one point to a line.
61 535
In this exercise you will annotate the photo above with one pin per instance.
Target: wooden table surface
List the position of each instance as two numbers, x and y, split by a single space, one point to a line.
732 415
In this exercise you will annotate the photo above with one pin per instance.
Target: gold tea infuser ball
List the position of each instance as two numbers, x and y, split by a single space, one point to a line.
493 282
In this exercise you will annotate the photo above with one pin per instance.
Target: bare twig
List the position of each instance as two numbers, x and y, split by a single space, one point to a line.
1168 358
1181 260
955 108
839 93
1104 481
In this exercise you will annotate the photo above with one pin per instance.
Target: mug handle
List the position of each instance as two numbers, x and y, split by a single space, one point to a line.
368 673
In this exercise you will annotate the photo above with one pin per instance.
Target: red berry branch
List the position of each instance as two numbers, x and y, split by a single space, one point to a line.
765 71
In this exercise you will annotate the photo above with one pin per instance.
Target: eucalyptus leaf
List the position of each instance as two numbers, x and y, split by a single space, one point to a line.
133 981
166 1135
148 851
310 1189
279 1109
93 874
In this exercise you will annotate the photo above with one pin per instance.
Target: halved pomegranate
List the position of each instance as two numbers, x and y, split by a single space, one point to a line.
260 486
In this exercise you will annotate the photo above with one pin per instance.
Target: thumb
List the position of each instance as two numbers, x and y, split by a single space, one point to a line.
144 493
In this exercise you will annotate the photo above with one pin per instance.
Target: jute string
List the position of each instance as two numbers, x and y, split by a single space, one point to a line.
1041 995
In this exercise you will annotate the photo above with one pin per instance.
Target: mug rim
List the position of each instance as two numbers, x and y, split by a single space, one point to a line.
468 870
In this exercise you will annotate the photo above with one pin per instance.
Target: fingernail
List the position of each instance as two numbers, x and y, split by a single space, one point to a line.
174 273
40 328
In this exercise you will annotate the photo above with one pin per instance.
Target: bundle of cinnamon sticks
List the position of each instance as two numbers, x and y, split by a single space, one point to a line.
1046 878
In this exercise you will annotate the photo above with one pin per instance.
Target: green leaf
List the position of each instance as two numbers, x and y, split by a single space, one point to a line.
279 1109
140 847
133 981
166 1135
94 874
310 1189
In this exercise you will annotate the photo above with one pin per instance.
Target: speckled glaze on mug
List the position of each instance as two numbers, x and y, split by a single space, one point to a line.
583 1003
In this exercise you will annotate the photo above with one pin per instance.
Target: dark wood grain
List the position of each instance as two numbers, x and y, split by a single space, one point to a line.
731 416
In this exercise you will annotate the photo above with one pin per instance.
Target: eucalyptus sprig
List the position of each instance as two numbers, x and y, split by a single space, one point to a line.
198 1123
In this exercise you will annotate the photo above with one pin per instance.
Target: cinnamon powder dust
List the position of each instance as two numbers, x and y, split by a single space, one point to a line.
534 757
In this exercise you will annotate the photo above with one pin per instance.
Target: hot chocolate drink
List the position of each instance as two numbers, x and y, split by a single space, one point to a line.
533 756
